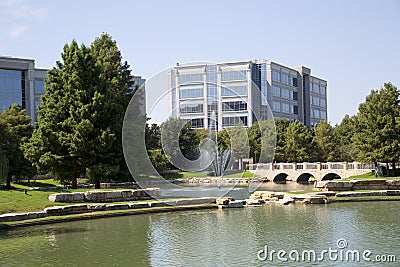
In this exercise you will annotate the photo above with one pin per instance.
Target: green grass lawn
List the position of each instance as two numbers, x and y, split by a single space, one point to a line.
369 176
228 174
15 199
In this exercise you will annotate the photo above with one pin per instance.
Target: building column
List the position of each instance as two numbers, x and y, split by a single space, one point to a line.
249 97
205 98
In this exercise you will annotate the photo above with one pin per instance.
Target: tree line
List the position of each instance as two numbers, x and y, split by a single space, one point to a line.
79 127
370 136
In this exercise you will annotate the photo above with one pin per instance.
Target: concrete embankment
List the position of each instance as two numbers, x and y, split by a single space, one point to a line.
352 185
88 208
106 196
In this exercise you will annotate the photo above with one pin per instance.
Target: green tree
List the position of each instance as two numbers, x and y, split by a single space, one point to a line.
377 135
324 144
239 147
3 156
79 127
116 78
153 136
297 142
344 133
281 125
17 130
177 136
262 140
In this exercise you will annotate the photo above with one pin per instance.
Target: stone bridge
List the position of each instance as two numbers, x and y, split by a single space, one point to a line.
302 172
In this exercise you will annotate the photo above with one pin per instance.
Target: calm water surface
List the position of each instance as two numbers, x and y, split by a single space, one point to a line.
230 237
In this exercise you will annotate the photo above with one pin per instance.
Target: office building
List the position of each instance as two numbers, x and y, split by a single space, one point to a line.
233 92
23 84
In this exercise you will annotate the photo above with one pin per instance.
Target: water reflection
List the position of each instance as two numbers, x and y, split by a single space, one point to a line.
229 237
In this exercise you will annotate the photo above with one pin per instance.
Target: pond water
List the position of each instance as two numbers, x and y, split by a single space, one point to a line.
229 237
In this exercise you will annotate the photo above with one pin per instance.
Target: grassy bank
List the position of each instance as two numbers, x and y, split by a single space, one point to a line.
15 200
369 176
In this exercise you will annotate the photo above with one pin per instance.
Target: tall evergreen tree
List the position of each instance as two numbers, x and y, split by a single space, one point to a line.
63 139
377 135
343 134
79 127
297 142
17 129
116 77
281 125
324 145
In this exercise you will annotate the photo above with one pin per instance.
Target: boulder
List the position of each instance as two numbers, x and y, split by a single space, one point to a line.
393 184
315 200
117 207
139 205
224 200
67 197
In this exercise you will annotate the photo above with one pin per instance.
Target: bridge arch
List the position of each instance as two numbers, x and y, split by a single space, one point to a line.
280 178
304 177
330 176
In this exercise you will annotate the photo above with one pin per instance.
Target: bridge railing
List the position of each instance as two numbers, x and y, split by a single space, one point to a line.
312 166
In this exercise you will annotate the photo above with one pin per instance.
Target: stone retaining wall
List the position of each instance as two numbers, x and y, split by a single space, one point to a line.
84 208
106 196
359 185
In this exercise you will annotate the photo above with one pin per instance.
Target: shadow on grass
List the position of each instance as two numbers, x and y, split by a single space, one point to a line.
37 183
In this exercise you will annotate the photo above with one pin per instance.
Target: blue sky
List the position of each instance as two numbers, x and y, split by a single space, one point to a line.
354 45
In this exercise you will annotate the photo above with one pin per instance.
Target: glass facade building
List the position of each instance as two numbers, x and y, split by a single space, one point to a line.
242 92
21 83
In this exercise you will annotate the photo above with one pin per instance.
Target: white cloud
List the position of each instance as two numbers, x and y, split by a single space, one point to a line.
16 15
17 31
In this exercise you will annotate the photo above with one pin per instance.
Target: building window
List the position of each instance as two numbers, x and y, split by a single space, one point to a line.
315 100
190 78
197 123
295 109
276 91
294 81
233 121
285 93
294 95
276 106
234 106
285 78
315 113
285 108
191 93
322 90
233 75
323 115
12 88
240 90
191 108
39 87
276 76
322 102
316 88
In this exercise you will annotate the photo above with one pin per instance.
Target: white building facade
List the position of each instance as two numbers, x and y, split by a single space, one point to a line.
242 91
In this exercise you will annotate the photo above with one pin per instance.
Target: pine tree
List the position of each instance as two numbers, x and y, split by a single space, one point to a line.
377 134
324 145
297 142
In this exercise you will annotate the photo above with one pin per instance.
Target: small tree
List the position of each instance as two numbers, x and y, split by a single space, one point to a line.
16 131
